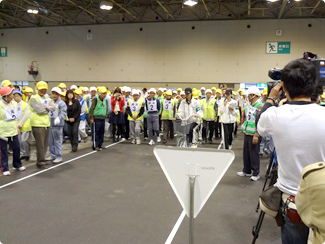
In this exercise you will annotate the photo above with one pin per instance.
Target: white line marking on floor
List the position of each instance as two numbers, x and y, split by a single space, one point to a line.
177 225
53 167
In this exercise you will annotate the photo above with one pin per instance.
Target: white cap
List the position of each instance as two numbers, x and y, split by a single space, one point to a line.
165 89
86 89
182 93
161 89
127 89
57 90
202 88
175 92
253 90
135 91
208 90
73 87
93 89
152 90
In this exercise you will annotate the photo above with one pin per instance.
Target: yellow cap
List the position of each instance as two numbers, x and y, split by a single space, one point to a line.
29 90
169 93
234 93
81 88
63 94
240 90
109 93
7 83
179 89
78 91
243 93
213 88
323 96
194 89
42 85
102 89
196 94
62 86
264 93
219 91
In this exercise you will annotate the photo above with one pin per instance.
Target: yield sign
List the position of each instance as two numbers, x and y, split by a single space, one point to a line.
209 165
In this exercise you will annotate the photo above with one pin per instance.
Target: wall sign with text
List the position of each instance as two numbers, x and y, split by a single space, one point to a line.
277 47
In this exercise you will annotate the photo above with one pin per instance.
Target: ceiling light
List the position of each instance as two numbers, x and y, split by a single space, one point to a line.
273 1
106 5
190 2
32 10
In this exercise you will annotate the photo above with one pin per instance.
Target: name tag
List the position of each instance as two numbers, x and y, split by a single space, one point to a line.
19 112
11 114
134 106
168 105
152 106
54 114
250 114
44 102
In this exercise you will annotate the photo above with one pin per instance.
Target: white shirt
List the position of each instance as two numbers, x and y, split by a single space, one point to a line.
186 110
298 132
228 116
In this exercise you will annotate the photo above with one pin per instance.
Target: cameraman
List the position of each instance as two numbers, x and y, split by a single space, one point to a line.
297 129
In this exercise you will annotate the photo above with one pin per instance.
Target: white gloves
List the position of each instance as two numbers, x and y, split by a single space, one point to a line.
56 121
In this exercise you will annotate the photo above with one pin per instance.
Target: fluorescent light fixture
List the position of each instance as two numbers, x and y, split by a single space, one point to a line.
32 10
190 2
273 1
106 5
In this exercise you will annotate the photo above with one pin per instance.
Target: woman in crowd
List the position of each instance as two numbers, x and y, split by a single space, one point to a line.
73 114
116 119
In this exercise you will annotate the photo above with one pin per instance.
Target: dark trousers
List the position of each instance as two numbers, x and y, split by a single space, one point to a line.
120 130
168 127
145 128
41 135
99 129
160 122
236 128
251 157
127 127
228 129
190 134
73 134
65 130
16 153
217 129
208 126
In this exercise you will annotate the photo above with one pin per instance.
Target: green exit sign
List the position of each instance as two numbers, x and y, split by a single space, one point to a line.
3 52
278 47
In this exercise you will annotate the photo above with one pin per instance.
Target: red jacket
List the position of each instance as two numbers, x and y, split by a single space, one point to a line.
121 103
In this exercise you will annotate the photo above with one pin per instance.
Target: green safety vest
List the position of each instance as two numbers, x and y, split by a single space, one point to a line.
39 120
26 126
135 107
101 107
7 128
208 109
249 125
168 112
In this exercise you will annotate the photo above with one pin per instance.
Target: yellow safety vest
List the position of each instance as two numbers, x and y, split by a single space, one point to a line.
7 128
208 109
39 120
135 107
167 112
26 125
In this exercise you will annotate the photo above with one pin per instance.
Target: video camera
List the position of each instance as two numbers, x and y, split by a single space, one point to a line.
317 61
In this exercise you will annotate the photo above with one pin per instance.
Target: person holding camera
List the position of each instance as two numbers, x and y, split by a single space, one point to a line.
251 139
297 129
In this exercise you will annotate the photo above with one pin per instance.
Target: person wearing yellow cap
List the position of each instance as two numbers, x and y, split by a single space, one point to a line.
210 115
7 83
40 107
214 89
24 124
98 113
28 94
153 107
168 114
63 87
322 99
134 111
82 125
179 90
9 130
264 94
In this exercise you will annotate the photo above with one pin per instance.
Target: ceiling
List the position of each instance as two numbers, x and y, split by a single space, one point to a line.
13 13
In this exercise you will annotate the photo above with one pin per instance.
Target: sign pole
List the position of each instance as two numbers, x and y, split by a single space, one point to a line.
192 184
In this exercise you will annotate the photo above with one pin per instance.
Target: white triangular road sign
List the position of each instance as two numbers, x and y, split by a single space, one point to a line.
209 165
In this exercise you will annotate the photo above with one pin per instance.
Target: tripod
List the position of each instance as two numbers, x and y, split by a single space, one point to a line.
271 177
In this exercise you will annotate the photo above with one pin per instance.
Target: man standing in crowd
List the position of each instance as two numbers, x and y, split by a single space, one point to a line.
82 125
127 97
251 138
168 113
217 124
210 115
40 107
153 108
9 130
298 132
57 118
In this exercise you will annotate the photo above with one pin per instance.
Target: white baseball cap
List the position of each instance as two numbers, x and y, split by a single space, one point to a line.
57 90
127 89
152 90
161 89
93 89
253 90
208 90
135 91
86 89
182 93
174 92
202 88
73 87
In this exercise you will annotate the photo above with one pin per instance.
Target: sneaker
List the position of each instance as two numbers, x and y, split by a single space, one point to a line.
85 139
49 159
151 142
100 148
97 149
138 142
133 141
255 178
243 174
194 145
123 139
146 138
22 168
6 173
200 138
230 147
158 139
57 161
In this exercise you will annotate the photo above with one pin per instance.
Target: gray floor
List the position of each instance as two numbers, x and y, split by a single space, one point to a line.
120 195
